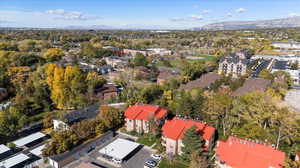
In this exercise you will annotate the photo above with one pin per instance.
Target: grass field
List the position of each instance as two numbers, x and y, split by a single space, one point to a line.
176 164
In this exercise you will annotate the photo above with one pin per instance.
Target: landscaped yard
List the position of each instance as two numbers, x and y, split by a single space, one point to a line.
146 140
176 164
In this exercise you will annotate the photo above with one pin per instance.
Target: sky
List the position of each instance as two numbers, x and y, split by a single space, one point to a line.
155 14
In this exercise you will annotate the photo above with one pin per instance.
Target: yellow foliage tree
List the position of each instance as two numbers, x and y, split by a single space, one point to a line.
53 54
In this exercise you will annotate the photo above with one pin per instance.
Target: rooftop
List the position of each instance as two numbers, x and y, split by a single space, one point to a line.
251 85
28 139
77 115
204 81
4 149
145 111
119 149
240 153
175 128
38 151
13 161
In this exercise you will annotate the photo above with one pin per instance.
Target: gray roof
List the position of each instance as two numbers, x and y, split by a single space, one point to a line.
251 85
82 114
204 81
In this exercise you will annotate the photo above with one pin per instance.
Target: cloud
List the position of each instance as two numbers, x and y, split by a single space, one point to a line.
177 19
204 12
196 17
68 15
229 15
293 14
241 10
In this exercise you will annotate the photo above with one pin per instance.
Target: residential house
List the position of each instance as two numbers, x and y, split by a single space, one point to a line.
75 116
116 62
137 117
240 153
173 132
252 85
133 52
286 66
106 92
159 52
167 74
235 64
203 82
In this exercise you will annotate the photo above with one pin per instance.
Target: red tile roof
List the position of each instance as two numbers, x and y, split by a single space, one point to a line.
239 153
144 112
176 128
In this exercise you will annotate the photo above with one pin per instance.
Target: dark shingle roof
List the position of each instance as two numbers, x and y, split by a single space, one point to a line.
251 85
82 114
203 82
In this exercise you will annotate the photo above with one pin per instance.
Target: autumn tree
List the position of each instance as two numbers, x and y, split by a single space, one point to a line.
53 54
111 117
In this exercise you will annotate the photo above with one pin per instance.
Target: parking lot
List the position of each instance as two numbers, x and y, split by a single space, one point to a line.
137 159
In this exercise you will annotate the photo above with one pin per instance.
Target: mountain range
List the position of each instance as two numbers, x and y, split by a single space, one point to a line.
259 24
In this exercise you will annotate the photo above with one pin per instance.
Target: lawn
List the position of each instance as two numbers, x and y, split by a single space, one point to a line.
176 164
146 140
207 57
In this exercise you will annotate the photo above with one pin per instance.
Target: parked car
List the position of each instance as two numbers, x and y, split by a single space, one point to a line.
118 161
156 157
107 157
151 163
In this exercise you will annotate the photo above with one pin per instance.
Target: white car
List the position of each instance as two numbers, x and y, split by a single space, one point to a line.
156 156
117 161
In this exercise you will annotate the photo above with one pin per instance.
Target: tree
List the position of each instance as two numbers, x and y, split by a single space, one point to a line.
47 121
140 60
111 117
11 120
265 74
198 161
67 86
192 142
53 54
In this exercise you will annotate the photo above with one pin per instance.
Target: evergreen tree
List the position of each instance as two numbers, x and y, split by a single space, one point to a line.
192 142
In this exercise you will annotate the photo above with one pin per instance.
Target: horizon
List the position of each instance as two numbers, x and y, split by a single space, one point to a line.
133 14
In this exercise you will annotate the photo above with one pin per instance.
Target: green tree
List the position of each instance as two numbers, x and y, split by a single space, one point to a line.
140 60
192 142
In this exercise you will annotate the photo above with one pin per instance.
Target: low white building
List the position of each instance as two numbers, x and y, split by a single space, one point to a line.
119 149
286 45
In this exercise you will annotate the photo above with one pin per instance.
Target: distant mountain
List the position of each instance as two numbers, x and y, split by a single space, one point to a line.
259 24
94 27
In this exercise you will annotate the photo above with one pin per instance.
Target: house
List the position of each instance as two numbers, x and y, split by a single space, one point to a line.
173 132
133 52
3 93
235 64
203 82
167 74
286 66
159 52
116 62
106 92
286 45
252 85
75 116
240 153
137 117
